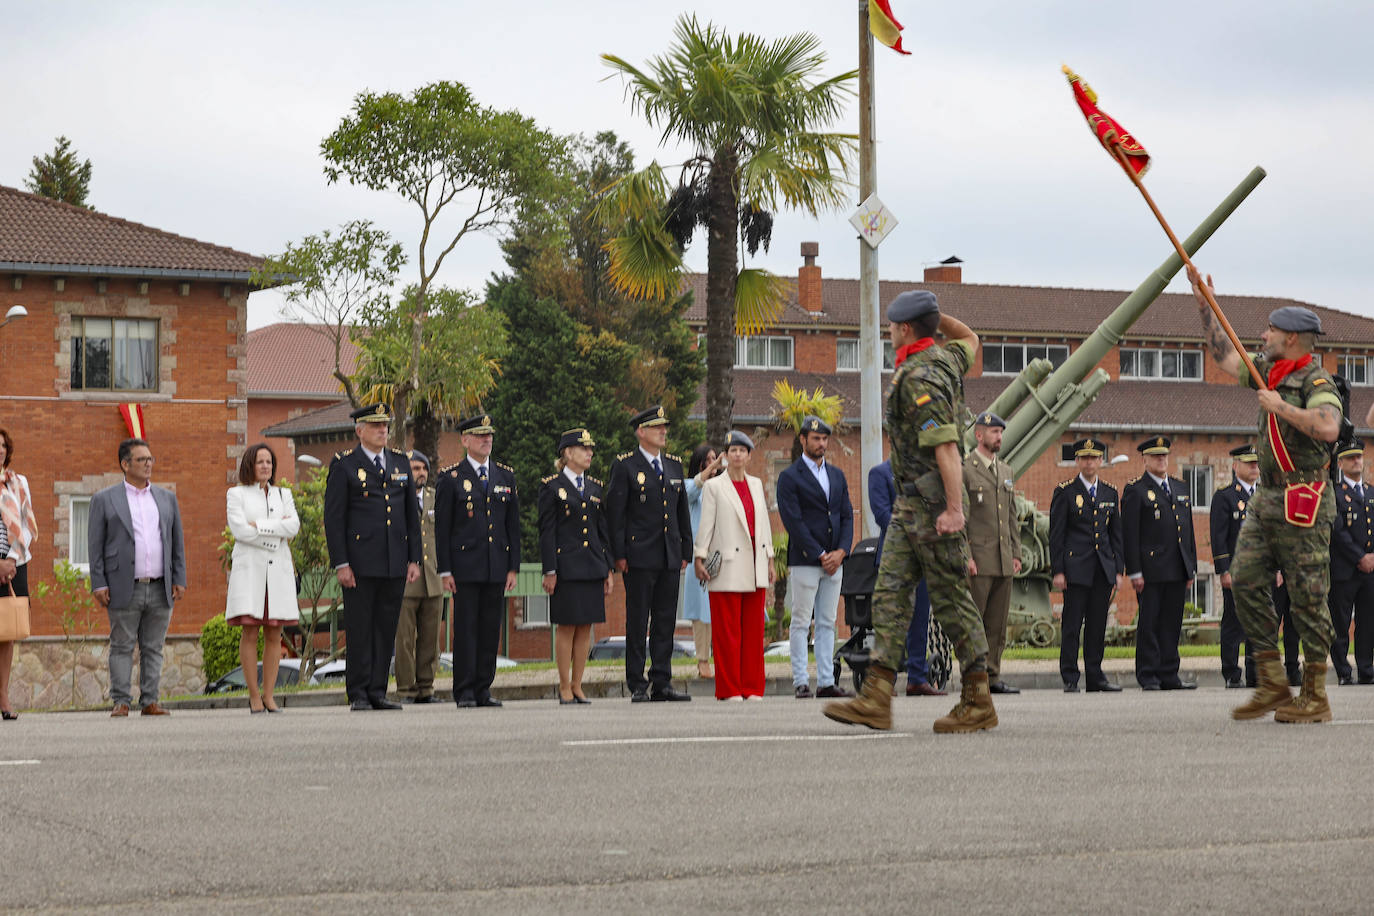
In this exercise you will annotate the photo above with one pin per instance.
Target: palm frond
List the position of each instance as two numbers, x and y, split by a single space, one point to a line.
645 263
759 300
634 196
793 405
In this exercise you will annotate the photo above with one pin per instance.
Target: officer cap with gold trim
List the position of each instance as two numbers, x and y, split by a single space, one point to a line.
373 413
1155 445
988 418
652 416
738 438
1089 448
1245 452
811 424
577 436
478 425
1349 448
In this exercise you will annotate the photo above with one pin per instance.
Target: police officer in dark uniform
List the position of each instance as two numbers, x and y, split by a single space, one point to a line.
372 527
1352 567
1161 561
1085 559
1227 513
477 533
651 541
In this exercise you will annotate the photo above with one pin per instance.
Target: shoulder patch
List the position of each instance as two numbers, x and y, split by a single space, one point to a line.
1133 480
923 400
622 457
547 479
594 480
396 451
1065 483
452 469
672 457
504 466
1319 381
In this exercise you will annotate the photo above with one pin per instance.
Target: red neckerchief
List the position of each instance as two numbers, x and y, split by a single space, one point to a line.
1279 371
917 347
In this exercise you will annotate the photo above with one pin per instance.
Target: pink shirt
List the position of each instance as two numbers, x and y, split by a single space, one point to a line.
147 532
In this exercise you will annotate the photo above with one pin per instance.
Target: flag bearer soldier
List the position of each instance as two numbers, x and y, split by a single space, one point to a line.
1161 561
651 541
1288 525
1085 560
477 531
372 527
1227 513
994 538
1352 567
926 536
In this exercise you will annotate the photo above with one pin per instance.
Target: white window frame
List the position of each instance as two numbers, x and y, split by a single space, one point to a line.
1345 362
1200 491
742 352
80 321
535 611
1202 589
1048 348
77 547
889 354
1156 357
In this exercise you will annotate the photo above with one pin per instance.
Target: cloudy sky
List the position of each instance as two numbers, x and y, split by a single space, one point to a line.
205 119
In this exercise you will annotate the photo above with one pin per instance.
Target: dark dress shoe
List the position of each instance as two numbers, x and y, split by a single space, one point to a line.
467 703
384 703
1104 687
563 702
832 691
1366 680
803 692
1346 681
669 695
1070 688
639 696
1149 687
1178 685
360 705
1000 687
1234 683
488 701
924 689
427 698
581 701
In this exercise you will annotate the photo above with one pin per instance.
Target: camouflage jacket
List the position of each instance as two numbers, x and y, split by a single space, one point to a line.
1307 387
925 407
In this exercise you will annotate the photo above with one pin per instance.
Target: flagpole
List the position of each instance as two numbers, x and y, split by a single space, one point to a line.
870 342
1206 290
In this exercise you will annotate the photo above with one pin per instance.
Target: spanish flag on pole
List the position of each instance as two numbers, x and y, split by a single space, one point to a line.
884 25
133 419
1115 139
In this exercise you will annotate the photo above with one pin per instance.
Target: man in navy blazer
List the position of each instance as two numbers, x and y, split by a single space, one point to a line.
813 501
138 571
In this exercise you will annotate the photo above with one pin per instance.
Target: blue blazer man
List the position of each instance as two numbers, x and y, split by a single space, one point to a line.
815 523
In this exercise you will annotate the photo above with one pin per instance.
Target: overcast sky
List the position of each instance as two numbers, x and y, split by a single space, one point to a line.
205 119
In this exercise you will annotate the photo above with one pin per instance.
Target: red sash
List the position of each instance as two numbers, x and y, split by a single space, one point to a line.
1300 500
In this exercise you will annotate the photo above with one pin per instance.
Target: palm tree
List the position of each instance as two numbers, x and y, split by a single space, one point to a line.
793 405
753 114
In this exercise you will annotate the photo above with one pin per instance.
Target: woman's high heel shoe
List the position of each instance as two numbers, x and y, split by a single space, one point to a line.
8 716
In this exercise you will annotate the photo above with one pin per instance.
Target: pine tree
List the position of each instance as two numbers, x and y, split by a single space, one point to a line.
61 175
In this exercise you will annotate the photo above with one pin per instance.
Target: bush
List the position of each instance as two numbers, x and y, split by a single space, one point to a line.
219 648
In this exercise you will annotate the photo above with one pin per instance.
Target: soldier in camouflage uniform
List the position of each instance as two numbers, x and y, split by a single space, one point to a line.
926 537
1288 523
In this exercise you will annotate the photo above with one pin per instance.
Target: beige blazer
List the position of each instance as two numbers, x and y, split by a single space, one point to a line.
744 563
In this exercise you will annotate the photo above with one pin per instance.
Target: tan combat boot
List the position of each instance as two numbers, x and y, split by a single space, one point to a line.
1310 705
1272 691
873 705
974 710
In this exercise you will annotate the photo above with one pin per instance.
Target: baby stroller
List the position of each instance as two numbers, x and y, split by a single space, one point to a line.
856 587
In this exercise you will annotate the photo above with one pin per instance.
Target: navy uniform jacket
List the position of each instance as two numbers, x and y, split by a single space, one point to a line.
1157 532
1229 505
477 531
1352 533
573 542
814 524
1085 533
649 522
371 520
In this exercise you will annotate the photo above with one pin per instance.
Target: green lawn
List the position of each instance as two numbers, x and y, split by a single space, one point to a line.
1052 652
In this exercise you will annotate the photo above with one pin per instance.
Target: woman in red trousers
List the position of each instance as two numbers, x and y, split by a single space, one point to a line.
734 524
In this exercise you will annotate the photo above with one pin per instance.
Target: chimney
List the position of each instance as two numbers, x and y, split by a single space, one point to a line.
809 280
947 271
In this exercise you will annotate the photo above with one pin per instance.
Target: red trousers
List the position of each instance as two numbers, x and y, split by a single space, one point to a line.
737 642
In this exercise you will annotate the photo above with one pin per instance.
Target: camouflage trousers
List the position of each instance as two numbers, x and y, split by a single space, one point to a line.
913 551
1269 544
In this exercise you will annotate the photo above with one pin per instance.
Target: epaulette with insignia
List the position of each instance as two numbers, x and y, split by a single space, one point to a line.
504 466
397 451
547 479
452 467
595 481
1065 483
624 456
1133 480
673 457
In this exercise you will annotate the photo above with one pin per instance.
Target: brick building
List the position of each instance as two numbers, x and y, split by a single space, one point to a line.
291 372
121 313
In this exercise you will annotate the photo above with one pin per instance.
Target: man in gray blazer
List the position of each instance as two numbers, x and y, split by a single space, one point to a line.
138 571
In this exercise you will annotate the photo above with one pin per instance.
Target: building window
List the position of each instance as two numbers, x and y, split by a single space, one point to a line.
536 610
114 354
77 529
1354 369
763 353
1201 595
1198 477
1009 359
1171 365
847 355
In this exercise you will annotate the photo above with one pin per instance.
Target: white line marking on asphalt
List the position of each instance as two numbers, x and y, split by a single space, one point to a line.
615 852
1353 722
727 739
18 763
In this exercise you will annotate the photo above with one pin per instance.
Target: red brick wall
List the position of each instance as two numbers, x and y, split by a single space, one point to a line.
265 412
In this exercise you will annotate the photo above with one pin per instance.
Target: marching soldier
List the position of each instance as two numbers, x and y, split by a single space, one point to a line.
651 541
1352 567
1228 512
1288 525
1161 561
372 528
477 529
1086 560
994 538
417 633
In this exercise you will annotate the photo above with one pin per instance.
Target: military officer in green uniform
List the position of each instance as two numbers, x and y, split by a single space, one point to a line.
994 538
417 632
926 537
1288 525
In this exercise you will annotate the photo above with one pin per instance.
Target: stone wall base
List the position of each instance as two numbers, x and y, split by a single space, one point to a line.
42 676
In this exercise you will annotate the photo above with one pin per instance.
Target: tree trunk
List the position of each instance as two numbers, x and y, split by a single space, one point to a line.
400 409
426 435
722 267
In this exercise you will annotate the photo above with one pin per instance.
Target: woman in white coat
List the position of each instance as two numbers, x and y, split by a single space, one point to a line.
734 523
262 578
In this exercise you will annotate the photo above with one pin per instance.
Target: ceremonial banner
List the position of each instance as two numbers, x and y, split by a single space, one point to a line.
884 25
1110 134
133 418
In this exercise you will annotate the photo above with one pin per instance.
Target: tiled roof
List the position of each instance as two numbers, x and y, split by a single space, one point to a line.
291 358
1053 312
37 234
334 418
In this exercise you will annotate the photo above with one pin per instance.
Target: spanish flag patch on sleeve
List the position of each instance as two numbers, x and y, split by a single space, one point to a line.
923 400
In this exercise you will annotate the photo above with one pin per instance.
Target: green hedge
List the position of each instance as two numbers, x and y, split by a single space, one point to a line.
219 647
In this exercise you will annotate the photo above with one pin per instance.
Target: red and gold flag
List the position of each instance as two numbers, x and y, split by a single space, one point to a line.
1110 134
884 25
133 418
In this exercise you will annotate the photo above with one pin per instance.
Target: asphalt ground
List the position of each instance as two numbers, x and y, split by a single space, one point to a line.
1125 803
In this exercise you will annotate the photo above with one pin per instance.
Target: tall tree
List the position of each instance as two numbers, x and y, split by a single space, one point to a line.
332 278
441 151
61 175
754 114
461 348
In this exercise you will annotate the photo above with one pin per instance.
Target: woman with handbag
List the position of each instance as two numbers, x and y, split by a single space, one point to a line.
16 534
701 467
574 550
734 558
262 578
